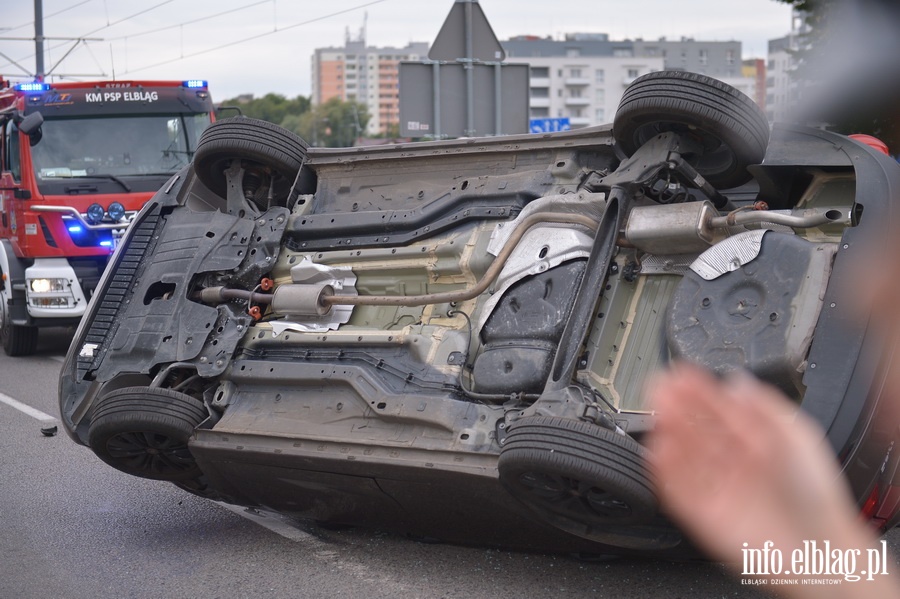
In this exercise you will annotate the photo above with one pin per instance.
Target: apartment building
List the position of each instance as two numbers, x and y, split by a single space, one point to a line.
584 75
586 89
365 74
782 90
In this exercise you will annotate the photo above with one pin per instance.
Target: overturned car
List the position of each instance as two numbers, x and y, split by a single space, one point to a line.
449 339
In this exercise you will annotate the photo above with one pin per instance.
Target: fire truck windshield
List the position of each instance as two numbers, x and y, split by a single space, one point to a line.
117 146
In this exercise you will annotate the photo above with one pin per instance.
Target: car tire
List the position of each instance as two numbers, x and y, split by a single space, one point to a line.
273 149
732 129
17 340
144 432
577 476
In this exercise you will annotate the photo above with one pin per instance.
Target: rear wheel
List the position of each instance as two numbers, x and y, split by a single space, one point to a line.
144 432
731 129
271 156
17 340
577 476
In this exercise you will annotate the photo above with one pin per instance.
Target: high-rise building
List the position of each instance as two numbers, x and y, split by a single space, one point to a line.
364 74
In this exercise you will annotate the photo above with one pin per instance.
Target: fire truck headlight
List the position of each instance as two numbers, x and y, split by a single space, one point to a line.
48 285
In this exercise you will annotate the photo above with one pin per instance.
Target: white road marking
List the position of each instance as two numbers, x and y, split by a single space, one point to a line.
25 409
271 521
321 550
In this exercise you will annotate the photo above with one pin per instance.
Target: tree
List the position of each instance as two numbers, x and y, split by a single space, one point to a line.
272 107
334 123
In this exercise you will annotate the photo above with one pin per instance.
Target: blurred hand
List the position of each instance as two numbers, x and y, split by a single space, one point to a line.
735 462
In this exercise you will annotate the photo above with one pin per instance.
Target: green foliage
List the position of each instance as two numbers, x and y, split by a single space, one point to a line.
334 124
271 107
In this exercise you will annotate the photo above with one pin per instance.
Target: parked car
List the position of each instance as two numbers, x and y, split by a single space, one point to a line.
449 339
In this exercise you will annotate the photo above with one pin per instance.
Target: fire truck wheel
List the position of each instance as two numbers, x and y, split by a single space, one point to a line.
270 155
17 340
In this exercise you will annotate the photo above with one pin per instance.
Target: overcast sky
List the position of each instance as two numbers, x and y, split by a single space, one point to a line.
156 39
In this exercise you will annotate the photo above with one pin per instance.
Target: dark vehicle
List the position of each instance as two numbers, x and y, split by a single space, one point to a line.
450 339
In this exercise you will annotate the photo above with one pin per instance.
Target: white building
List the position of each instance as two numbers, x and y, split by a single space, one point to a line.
583 76
586 89
782 92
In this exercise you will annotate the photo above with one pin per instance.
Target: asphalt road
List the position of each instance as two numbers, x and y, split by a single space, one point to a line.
72 527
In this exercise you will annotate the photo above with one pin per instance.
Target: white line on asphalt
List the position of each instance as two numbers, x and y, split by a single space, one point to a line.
271 521
37 414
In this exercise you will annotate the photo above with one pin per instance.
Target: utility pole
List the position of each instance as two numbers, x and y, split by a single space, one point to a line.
39 40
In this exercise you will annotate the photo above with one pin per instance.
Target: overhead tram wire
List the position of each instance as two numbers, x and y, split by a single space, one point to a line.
53 14
107 26
191 22
254 37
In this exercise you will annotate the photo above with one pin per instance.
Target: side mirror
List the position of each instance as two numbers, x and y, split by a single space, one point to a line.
31 126
220 110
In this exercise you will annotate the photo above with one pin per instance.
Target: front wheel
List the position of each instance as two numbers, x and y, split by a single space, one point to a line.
271 156
144 431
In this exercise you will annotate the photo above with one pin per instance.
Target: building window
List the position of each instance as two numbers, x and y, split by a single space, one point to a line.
600 95
575 112
540 92
540 72
575 93
633 73
573 52
729 56
599 76
559 93
704 57
575 73
600 115
541 111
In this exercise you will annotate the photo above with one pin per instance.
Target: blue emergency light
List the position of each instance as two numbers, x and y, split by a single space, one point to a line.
194 83
32 87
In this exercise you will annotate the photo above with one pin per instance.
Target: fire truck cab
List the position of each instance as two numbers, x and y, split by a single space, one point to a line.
77 161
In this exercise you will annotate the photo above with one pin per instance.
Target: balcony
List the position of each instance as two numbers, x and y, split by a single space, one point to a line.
539 102
579 121
539 82
577 81
577 102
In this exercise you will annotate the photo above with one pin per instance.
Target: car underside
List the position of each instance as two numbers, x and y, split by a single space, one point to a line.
450 339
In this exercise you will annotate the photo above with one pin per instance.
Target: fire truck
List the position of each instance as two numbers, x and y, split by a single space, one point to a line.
77 161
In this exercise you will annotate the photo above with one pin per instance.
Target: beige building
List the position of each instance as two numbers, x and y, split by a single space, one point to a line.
364 74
